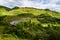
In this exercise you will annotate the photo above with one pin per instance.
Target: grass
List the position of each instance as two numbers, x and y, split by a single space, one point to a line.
28 10
34 12
8 37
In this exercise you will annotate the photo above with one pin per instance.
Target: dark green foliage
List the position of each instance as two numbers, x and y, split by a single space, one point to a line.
31 30
34 31
47 10
47 19
6 8
15 8
2 18
26 15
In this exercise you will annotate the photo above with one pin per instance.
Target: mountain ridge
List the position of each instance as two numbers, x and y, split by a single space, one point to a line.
24 7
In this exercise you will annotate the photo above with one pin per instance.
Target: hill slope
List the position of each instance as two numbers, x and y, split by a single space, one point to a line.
34 11
4 10
29 24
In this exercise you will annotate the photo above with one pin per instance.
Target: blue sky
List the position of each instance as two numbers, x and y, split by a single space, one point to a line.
41 4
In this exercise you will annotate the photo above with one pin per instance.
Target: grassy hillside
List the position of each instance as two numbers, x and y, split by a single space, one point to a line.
34 11
29 24
3 10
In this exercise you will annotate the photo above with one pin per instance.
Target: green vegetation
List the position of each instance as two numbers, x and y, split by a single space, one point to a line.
29 24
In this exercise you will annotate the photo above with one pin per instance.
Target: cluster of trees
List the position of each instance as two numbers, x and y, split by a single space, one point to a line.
43 18
34 31
47 19
31 30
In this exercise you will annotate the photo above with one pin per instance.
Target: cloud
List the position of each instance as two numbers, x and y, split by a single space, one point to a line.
41 4
11 3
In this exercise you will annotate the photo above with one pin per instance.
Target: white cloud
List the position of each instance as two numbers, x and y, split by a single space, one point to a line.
42 4
2 2
11 0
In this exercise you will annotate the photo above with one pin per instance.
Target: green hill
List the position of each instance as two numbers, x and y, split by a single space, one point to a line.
3 10
34 11
29 24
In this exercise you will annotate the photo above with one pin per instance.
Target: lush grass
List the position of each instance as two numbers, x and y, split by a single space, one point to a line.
8 37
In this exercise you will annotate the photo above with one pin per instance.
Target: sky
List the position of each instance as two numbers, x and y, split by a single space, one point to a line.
40 4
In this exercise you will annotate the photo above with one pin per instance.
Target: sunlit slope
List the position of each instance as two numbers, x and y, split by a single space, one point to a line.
3 10
34 11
